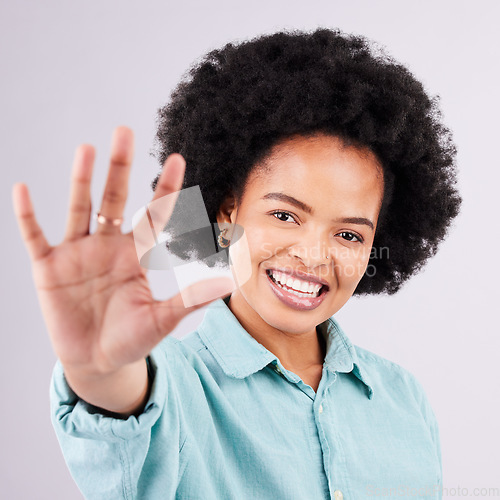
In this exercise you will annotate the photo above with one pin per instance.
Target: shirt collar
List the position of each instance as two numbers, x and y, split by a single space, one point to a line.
240 355
341 355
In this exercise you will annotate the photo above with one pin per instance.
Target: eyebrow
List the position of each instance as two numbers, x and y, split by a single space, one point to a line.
306 208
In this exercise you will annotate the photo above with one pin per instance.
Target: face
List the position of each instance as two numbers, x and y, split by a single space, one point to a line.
309 215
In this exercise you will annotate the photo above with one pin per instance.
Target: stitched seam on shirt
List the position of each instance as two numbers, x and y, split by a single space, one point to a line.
172 362
342 338
213 350
182 445
185 464
125 463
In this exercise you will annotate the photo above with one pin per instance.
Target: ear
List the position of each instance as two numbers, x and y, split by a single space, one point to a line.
227 212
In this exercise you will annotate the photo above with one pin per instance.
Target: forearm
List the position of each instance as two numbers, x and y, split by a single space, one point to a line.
124 392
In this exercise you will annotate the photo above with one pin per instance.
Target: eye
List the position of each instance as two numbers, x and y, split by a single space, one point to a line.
347 235
283 216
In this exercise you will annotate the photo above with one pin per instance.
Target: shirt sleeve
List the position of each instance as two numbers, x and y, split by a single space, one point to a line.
430 419
105 455
434 429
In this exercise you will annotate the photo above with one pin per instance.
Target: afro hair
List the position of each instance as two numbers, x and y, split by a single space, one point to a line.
237 102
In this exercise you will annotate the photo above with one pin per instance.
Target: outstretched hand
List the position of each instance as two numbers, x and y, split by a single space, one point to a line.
94 295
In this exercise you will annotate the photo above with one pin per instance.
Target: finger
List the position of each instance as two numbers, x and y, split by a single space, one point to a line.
169 312
159 210
31 233
172 175
116 188
80 205
151 220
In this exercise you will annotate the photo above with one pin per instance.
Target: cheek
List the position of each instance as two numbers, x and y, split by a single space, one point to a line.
350 264
240 258
252 247
263 244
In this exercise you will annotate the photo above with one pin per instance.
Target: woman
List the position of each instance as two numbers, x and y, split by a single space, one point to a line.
333 161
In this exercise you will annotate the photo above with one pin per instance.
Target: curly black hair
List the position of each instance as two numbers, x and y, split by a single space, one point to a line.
237 102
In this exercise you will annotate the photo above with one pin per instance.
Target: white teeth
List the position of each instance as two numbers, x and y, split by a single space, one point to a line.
296 286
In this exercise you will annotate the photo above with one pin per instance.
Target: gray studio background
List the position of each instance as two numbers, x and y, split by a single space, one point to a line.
72 71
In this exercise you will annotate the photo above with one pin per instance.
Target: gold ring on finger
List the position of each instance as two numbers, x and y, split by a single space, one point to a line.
108 221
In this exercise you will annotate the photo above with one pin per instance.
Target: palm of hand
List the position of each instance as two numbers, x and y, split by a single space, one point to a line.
97 302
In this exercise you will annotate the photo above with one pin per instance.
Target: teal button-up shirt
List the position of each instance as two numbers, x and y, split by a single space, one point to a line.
226 420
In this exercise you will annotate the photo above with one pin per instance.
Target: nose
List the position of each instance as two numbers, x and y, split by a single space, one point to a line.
314 254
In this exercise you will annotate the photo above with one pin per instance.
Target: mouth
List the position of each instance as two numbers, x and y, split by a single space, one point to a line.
295 292
296 285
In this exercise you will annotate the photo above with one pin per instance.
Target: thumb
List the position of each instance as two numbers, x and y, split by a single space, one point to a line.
169 312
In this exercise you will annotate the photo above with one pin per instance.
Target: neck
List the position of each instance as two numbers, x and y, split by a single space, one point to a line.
296 351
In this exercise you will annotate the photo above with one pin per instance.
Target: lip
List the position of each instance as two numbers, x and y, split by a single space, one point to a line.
293 301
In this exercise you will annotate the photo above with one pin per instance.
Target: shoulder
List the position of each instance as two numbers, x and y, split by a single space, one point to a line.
390 377
392 380
380 364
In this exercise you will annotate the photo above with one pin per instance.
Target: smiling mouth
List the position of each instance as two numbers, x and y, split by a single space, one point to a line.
295 286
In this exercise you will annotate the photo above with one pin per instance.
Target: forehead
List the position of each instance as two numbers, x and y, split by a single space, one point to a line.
320 163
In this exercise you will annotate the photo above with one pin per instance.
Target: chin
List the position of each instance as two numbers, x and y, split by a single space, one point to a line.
288 319
291 325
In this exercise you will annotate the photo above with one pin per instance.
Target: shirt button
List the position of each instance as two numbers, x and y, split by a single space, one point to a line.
337 494
320 409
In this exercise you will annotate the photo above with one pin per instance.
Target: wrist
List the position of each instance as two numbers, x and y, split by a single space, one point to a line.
123 392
